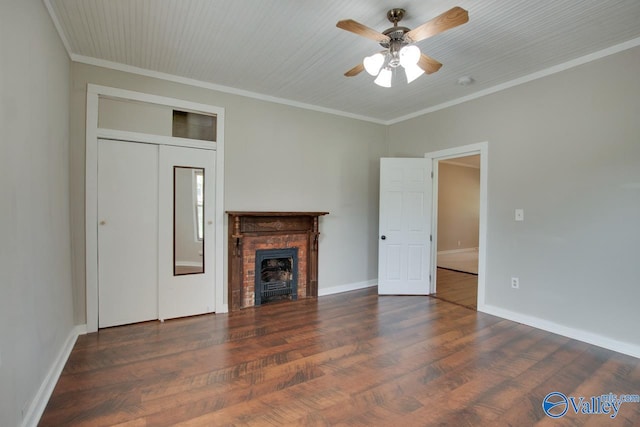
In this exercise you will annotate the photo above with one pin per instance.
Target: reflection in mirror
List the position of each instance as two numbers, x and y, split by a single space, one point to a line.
188 220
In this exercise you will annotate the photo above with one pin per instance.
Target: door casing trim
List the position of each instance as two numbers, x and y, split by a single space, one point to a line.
481 148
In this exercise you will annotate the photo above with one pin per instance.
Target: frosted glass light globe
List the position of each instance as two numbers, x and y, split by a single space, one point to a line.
409 55
384 78
373 63
413 72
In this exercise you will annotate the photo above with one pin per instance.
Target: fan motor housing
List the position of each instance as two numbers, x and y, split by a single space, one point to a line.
395 33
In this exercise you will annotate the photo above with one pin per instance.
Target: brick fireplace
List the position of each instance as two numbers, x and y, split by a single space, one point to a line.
256 232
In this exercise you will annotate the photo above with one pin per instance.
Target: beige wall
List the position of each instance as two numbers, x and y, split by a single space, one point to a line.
458 207
36 306
566 149
277 158
135 116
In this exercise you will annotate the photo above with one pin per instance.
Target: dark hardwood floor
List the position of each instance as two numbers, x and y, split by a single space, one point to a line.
457 287
347 359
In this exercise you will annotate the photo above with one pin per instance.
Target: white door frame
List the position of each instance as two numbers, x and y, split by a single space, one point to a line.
93 133
482 149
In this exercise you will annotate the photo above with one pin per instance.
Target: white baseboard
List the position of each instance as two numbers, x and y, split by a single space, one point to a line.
348 287
566 331
39 402
457 251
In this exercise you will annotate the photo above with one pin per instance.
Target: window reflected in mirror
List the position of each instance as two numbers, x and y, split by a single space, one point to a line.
199 183
188 220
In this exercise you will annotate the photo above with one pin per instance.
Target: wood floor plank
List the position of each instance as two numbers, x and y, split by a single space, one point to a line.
457 287
349 359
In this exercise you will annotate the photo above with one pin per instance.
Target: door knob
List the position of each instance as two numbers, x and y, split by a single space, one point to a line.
103 222
383 237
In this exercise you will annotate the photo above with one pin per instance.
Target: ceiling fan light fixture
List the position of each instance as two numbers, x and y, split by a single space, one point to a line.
409 55
399 44
412 72
373 64
384 78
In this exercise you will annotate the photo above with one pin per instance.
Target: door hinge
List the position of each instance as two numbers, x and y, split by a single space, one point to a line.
431 237
431 174
429 278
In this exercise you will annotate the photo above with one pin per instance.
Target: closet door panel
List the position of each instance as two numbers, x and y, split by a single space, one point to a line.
127 232
186 232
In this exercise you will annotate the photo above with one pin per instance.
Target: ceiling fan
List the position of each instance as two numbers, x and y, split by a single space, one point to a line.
399 49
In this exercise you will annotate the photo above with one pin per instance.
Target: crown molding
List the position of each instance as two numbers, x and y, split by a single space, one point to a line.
216 87
56 24
525 79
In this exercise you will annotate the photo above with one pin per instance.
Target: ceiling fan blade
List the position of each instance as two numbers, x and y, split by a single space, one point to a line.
355 70
428 64
450 19
362 30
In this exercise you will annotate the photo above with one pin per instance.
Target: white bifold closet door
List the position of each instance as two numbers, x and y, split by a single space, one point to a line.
156 238
127 232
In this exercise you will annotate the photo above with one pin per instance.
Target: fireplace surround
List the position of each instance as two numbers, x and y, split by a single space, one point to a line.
251 233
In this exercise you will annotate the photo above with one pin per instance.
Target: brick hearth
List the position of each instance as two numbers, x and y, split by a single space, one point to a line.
251 231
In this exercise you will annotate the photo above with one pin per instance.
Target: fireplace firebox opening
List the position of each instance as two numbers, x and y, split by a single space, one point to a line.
276 275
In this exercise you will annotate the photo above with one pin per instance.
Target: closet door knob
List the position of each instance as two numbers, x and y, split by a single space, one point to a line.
383 237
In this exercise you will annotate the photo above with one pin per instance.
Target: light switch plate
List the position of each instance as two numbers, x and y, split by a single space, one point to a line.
519 214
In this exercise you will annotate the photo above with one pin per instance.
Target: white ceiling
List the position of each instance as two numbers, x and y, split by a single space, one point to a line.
291 51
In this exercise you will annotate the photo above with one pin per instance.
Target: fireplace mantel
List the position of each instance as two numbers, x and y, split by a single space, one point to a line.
250 230
259 213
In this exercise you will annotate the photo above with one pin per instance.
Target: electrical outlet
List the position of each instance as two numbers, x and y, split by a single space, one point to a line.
515 283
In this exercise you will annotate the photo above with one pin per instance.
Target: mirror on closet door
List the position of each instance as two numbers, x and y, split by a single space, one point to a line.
188 220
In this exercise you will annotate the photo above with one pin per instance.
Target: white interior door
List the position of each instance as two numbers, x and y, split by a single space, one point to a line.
186 232
127 232
404 251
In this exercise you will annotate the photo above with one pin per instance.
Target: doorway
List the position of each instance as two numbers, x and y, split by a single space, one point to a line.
458 230
459 224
